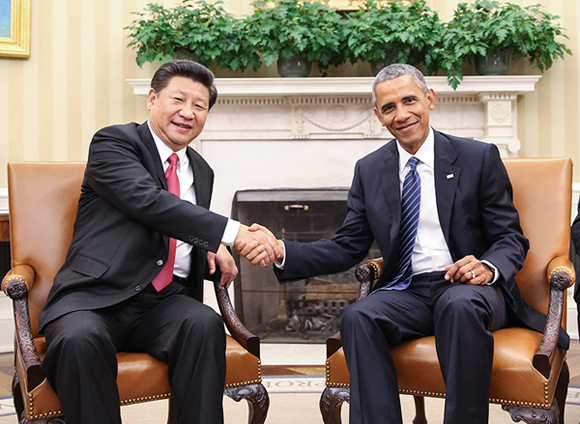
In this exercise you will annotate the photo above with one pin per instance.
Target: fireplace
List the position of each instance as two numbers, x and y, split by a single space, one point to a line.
305 311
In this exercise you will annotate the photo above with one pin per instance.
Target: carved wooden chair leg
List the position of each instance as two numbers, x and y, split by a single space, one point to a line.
554 415
19 407
534 415
562 389
49 421
420 416
331 404
258 401
24 420
17 395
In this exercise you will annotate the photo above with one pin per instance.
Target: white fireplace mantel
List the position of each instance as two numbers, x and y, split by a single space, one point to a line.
482 107
358 86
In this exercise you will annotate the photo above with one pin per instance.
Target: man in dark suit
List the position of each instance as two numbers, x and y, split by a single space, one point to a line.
575 237
133 276
456 280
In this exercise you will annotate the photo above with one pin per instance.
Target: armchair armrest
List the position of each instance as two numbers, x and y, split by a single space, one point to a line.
365 274
560 275
16 284
11 283
238 331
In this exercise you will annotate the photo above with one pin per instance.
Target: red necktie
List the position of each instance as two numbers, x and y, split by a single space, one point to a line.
166 275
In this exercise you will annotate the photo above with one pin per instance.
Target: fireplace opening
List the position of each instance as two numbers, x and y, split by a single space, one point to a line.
305 311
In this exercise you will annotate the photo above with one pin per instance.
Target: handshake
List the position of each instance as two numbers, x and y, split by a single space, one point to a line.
258 245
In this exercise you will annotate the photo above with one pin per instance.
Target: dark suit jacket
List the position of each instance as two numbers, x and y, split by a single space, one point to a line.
576 240
124 220
474 201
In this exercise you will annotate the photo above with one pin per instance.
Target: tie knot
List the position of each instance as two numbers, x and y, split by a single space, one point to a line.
413 162
173 159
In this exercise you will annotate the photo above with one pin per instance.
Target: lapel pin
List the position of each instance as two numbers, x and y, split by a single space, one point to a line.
449 176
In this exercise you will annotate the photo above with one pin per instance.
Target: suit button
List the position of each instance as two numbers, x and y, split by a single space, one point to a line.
206 244
196 240
159 262
138 288
190 238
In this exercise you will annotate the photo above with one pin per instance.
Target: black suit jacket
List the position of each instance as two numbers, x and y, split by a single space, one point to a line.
476 212
124 221
576 240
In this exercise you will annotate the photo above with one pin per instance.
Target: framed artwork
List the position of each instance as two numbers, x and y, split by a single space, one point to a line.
15 28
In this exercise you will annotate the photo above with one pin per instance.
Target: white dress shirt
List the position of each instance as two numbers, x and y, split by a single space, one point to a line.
431 252
187 192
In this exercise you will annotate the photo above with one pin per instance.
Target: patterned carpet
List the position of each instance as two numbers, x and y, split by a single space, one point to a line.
295 400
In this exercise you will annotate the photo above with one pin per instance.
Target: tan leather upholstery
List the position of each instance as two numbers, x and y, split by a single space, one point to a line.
514 379
43 202
542 195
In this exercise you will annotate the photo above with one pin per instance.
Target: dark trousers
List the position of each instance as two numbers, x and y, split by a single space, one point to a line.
189 336
460 316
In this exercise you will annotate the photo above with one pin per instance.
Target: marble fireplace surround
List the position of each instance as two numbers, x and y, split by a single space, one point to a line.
309 132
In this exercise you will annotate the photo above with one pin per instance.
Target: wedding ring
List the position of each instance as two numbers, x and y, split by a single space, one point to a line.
472 274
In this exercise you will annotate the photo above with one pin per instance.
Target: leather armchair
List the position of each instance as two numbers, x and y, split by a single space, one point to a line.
530 375
43 201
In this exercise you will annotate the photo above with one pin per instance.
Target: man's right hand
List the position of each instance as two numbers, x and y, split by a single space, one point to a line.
258 245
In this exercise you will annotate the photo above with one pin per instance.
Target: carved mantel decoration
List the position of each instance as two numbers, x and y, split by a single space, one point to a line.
483 107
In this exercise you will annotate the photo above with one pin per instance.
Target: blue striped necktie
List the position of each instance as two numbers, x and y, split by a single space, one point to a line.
410 204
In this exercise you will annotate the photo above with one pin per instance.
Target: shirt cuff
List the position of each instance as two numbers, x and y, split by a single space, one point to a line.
231 232
279 263
494 269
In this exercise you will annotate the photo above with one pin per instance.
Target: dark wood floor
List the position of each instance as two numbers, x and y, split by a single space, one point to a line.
7 369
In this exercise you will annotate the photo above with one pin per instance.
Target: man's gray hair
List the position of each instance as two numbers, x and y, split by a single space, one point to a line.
397 70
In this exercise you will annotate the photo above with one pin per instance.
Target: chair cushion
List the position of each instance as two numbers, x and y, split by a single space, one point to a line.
514 380
243 368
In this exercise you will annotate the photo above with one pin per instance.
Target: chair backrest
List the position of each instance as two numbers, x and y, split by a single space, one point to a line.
43 199
542 196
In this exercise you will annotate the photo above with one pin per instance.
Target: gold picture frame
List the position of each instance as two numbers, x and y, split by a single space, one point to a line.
15 28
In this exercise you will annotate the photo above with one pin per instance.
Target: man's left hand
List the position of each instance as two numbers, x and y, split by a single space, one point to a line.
469 270
227 265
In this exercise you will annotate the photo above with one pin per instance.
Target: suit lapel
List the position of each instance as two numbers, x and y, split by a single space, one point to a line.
155 165
203 186
391 188
201 181
446 179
